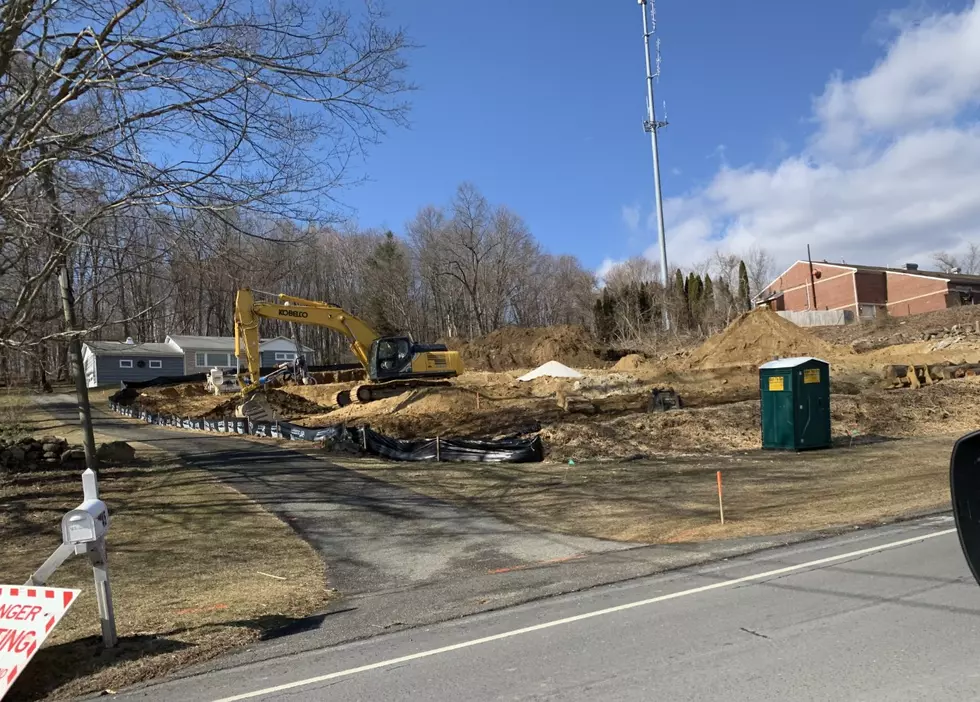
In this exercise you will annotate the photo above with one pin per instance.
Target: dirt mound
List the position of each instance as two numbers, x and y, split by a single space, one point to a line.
629 362
760 336
284 405
193 390
511 348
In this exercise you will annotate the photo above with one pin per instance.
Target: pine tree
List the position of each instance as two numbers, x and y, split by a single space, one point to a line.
708 295
388 270
644 304
694 293
680 298
744 297
605 316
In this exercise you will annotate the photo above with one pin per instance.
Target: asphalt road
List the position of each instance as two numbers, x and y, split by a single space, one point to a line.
883 614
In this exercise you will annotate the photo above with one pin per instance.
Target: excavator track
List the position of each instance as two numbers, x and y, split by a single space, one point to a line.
370 392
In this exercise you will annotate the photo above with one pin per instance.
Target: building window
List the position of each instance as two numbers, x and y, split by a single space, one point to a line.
156 364
126 363
213 360
285 355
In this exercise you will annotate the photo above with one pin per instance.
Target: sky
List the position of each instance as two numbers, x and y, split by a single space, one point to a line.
850 126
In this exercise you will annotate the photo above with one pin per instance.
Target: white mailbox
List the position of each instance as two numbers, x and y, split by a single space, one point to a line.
86 523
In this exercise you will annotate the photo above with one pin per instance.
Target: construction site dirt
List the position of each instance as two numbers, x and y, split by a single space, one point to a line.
604 414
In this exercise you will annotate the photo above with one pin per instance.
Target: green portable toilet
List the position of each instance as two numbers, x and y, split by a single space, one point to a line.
795 395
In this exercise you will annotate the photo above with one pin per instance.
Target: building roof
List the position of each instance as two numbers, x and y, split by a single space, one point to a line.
789 362
121 348
961 278
189 342
216 343
280 343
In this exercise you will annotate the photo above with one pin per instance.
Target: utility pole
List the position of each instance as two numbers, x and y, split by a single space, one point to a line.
652 126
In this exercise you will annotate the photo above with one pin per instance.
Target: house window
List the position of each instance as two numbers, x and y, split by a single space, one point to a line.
213 360
285 356
156 364
126 363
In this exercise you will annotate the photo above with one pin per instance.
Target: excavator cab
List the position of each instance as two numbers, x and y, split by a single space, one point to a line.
964 488
394 357
390 357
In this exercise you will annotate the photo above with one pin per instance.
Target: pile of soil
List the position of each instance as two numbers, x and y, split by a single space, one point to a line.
757 337
630 362
285 405
511 348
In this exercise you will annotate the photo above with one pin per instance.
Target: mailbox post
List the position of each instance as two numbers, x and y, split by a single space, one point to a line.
83 531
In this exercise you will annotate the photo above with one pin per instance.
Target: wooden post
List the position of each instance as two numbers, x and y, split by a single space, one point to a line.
478 400
437 449
721 505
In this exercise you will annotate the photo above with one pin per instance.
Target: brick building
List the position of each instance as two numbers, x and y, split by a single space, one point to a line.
865 290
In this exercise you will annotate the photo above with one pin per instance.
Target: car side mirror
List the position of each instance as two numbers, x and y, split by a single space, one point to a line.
964 489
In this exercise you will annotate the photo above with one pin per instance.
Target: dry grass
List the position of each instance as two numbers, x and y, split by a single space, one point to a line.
675 499
186 556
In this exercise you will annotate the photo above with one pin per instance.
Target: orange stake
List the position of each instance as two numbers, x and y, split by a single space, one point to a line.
721 506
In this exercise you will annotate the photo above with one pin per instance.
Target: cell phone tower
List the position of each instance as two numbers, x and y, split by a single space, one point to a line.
652 125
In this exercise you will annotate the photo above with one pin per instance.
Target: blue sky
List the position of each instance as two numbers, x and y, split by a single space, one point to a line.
540 105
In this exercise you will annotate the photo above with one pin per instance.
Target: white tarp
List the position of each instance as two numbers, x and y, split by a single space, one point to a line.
551 369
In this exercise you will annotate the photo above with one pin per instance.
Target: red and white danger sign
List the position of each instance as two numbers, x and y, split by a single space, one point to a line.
27 616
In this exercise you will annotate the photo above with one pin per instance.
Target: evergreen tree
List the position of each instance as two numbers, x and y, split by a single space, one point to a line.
744 296
708 294
680 299
605 316
694 296
644 303
388 273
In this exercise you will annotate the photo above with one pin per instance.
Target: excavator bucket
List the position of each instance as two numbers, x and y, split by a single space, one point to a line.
255 408
964 488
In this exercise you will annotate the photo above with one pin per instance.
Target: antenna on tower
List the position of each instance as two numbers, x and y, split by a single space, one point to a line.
657 74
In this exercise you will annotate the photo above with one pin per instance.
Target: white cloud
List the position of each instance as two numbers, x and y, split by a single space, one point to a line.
892 171
603 270
631 216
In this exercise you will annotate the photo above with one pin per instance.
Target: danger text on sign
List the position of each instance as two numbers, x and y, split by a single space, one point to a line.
27 616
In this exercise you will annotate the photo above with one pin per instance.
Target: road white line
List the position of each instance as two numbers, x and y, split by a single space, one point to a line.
581 617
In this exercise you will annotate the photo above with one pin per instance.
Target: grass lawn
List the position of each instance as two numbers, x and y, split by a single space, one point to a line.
196 568
675 499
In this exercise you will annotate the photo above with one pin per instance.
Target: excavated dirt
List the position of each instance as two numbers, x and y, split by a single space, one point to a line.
760 336
889 331
718 383
630 362
183 401
510 348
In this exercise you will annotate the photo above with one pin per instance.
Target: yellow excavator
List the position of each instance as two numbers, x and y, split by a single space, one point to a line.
393 363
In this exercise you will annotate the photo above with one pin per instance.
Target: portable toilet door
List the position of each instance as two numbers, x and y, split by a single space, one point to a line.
795 398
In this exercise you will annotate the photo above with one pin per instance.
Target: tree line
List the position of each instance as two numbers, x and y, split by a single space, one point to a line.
634 307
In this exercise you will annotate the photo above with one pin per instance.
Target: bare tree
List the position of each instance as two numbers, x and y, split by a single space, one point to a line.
759 263
632 271
179 104
968 262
